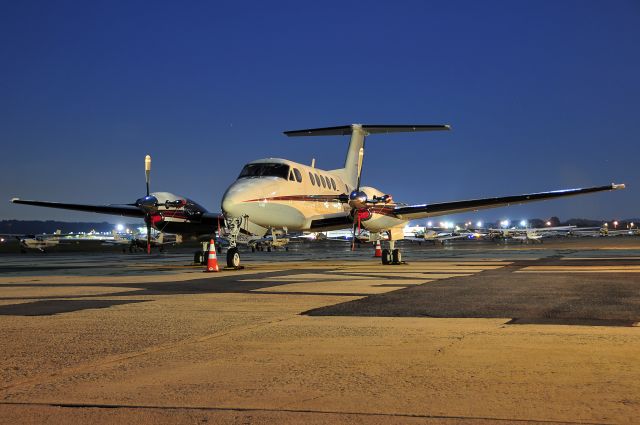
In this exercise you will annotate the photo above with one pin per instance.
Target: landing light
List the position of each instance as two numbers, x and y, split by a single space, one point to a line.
523 223
479 224
119 227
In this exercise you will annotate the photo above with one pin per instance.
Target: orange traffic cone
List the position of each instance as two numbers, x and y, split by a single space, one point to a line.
212 260
378 252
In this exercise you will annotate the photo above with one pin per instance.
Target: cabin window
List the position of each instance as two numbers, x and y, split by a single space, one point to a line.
324 183
265 170
317 179
298 175
346 189
333 184
311 178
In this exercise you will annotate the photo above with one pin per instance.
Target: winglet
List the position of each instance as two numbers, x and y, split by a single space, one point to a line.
14 199
619 186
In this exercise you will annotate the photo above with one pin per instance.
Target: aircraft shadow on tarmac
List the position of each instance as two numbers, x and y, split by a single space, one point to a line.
593 299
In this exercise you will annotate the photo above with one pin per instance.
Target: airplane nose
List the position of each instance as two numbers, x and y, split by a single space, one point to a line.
231 202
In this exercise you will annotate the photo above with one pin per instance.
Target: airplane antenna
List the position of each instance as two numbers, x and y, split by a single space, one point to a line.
313 163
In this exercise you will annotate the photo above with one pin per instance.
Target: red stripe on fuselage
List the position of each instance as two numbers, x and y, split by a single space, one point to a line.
386 209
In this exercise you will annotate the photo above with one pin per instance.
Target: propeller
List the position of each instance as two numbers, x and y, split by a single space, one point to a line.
360 203
149 204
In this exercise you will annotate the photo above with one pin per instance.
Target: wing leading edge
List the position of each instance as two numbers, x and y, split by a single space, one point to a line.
113 209
444 208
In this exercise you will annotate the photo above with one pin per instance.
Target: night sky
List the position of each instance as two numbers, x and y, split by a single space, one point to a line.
540 96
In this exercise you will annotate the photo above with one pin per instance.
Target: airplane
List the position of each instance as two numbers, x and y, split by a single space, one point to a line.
135 244
40 242
530 234
275 194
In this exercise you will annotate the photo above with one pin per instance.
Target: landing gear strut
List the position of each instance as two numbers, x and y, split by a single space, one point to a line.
233 256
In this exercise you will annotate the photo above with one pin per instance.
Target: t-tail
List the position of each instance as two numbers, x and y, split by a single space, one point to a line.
353 162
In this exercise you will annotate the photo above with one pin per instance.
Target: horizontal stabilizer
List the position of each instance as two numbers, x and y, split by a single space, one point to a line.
345 130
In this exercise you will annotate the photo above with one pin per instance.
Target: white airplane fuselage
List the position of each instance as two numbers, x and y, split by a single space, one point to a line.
284 202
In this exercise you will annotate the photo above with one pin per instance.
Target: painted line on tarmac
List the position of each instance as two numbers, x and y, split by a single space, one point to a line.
319 412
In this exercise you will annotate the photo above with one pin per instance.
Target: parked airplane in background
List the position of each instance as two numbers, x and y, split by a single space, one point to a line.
134 243
39 242
44 241
272 195
530 234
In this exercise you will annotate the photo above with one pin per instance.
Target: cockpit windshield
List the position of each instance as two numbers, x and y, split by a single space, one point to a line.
265 170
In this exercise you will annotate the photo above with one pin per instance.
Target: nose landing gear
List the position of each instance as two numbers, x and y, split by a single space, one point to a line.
233 256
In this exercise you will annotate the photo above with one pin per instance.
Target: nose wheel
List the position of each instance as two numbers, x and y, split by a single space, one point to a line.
233 258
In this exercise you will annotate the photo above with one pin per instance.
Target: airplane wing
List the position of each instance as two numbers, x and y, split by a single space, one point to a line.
445 208
113 209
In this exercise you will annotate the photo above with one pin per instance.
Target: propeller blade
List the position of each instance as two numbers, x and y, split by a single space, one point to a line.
353 234
360 159
149 237
147 170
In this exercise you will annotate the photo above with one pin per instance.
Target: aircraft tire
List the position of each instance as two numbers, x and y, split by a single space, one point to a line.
198 258
396 256
233 258
386 257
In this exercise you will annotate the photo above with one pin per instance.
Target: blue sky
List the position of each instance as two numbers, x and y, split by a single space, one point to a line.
540 95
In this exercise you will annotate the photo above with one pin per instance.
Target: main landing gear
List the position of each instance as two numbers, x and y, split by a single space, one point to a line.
392 255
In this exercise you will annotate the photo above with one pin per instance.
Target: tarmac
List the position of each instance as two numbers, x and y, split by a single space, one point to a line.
469 333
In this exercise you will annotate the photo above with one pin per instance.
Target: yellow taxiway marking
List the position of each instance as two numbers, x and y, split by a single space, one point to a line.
301 277
410 275
368 286
580 269
600 258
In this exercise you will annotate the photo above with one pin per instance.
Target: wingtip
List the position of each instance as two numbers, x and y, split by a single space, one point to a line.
14 199
618 186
